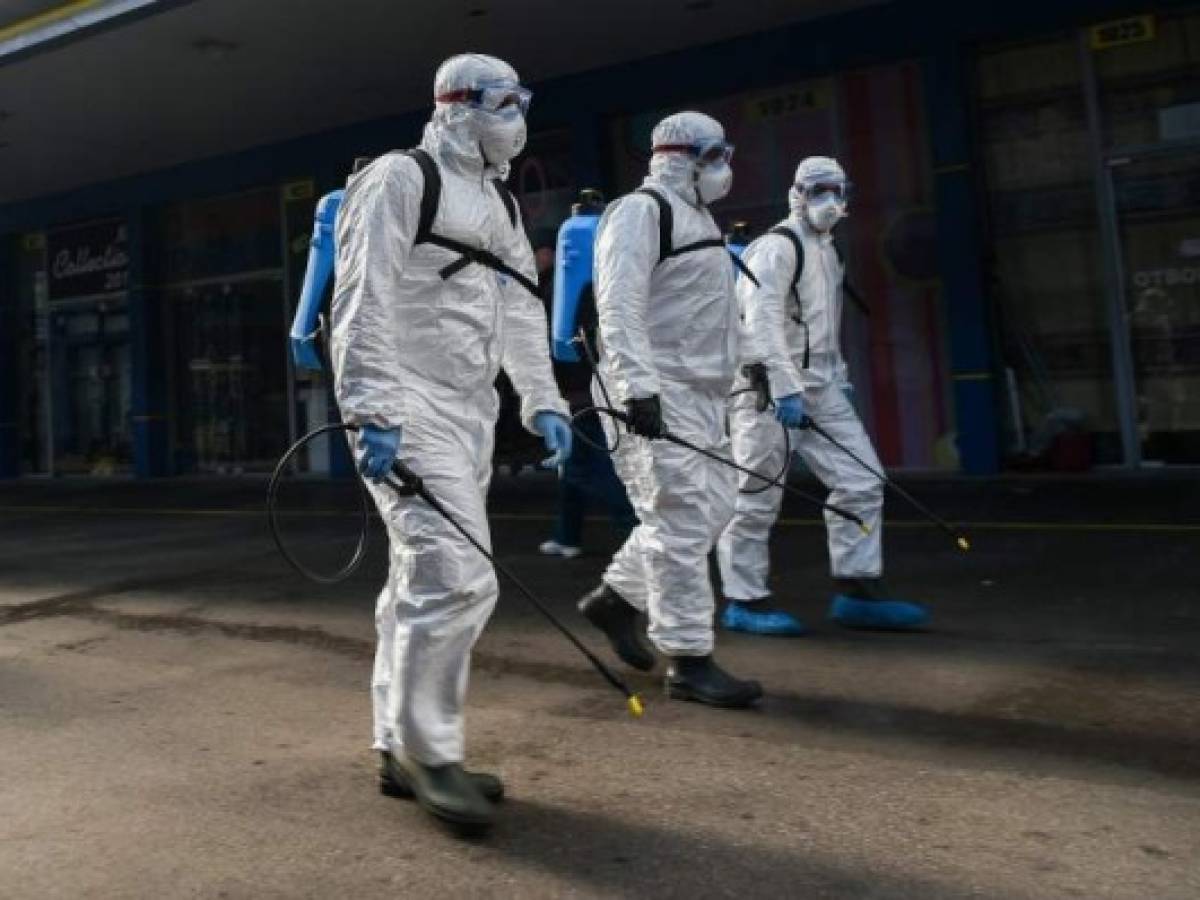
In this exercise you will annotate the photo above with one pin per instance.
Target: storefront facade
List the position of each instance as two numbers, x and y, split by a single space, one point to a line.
1024 231
73 350
1090 152
873 121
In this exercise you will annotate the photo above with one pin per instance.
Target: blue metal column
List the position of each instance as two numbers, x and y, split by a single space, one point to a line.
960 263
10 370
149 402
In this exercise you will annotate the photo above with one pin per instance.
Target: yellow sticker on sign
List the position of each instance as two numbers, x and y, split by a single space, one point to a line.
1119 32
299 190
788 101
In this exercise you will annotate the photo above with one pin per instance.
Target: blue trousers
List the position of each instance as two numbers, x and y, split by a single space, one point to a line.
588 478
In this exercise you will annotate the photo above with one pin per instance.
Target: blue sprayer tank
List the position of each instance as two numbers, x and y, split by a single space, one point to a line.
573 266
738 238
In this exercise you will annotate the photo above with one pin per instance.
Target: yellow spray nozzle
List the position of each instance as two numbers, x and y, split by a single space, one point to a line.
866 529
963 544
635 706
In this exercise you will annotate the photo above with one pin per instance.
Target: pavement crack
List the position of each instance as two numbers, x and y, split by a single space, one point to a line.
297 635
83 600
82 605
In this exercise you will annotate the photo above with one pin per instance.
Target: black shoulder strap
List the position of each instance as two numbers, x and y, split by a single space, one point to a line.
697 245
431 193
666 240
798 246
666 223
859 300
740 265
510 202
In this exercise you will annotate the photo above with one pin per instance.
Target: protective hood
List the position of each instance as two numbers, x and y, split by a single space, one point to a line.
458 134
812 170
678 171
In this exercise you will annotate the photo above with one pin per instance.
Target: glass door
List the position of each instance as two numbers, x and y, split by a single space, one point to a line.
1157 199
91 383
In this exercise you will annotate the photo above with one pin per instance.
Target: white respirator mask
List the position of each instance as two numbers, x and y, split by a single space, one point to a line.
825 212
713 183
501 136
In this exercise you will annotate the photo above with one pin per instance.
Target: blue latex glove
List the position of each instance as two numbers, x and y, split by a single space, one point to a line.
556 432
789 411
377 450
304 353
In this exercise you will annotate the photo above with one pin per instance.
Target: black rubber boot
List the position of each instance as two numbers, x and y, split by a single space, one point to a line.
699 678
612 614
394 781
447 793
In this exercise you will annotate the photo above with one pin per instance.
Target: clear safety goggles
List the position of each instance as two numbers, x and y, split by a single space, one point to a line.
705 153
493 98
822 190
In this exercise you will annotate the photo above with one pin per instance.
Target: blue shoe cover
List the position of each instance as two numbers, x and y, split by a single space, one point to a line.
742 617
882 615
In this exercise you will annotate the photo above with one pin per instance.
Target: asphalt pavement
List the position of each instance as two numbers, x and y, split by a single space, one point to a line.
183 716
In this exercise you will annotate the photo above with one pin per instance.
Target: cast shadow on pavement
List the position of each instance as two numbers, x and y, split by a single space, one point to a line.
634 858
1018 739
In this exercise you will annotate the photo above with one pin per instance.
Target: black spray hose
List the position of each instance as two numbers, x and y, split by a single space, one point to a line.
780 481
960 541
410 484
716 457
787 450
360 550
589 352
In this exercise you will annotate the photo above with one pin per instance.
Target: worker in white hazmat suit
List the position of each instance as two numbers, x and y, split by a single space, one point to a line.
670 344
429 303
794 317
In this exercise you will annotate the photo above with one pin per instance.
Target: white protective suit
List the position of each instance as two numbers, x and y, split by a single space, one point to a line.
419 353
670 329
773 314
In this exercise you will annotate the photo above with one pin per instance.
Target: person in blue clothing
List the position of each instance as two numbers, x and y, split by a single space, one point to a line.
588 478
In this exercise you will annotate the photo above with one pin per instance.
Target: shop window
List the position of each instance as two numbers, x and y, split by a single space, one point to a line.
1044 267
225 316
1150 87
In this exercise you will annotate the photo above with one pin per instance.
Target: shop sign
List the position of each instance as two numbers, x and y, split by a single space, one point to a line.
1168 276
788 101
1119 32
88 260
